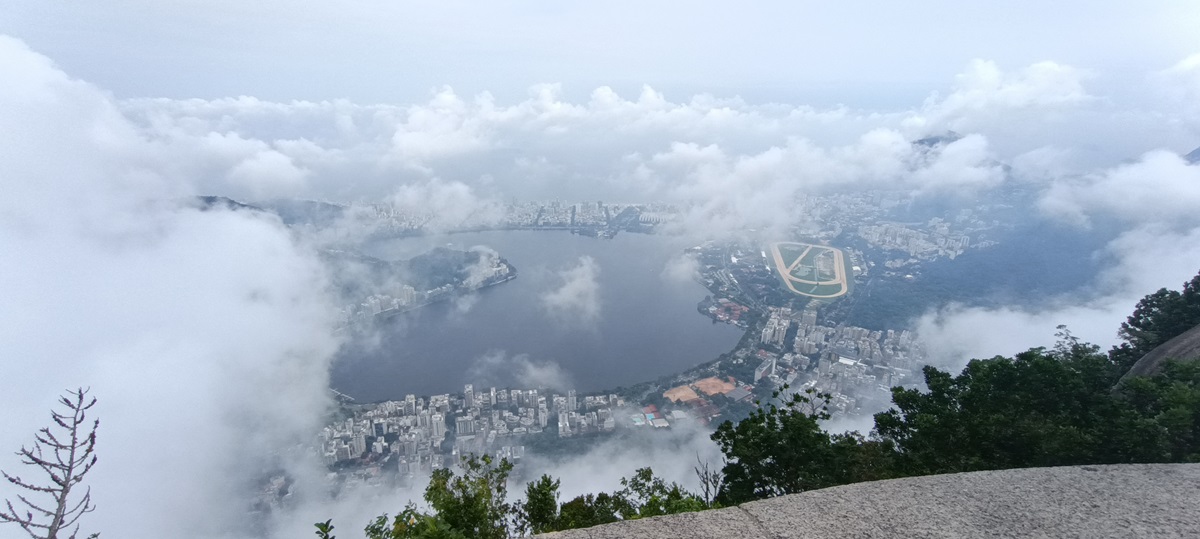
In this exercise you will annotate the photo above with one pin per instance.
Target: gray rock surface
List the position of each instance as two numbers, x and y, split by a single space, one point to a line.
1185 346
1129 500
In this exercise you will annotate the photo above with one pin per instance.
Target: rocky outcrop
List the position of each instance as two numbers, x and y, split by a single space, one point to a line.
1185 346
1131 500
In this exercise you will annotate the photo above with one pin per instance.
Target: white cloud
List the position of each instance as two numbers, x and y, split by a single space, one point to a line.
205 335
956 333
445 126
962 166
732 154
671 453
724 193
268 174
1180 84
1160 187
985 89
682 269
444 205
1160 249
497 368
576 299
1043 83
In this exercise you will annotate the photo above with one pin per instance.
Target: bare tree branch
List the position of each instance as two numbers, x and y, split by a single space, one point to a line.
64 457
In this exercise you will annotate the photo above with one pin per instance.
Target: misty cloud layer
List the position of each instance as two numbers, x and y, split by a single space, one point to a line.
207 335
1154 199
575 299
499 369
729 162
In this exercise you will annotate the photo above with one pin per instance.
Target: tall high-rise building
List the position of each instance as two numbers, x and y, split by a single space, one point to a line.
469 396
464 425
437 426
775 331
572 405
358 445
564 423
408 295
767 368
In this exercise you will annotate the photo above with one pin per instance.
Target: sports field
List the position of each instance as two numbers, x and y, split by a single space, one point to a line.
811 270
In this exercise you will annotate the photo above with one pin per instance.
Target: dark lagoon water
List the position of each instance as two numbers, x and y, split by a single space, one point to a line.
645 324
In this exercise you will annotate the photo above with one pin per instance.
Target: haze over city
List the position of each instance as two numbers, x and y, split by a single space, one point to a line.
412 197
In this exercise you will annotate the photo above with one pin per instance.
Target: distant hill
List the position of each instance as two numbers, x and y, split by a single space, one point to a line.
359 275
934 141
1194 157
206 203
311 212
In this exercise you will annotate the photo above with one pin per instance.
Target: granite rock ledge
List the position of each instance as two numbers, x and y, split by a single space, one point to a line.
1127 500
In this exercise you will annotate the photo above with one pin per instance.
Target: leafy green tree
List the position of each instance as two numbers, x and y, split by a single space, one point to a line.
540 508
1037 409
1167 406
590 510
475 502
325 530
648 496
1158 318
412 524
782 449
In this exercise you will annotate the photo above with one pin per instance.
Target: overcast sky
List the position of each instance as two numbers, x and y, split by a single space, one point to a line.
208 335
863 54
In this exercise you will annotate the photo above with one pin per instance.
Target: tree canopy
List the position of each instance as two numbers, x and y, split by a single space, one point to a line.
1158 318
